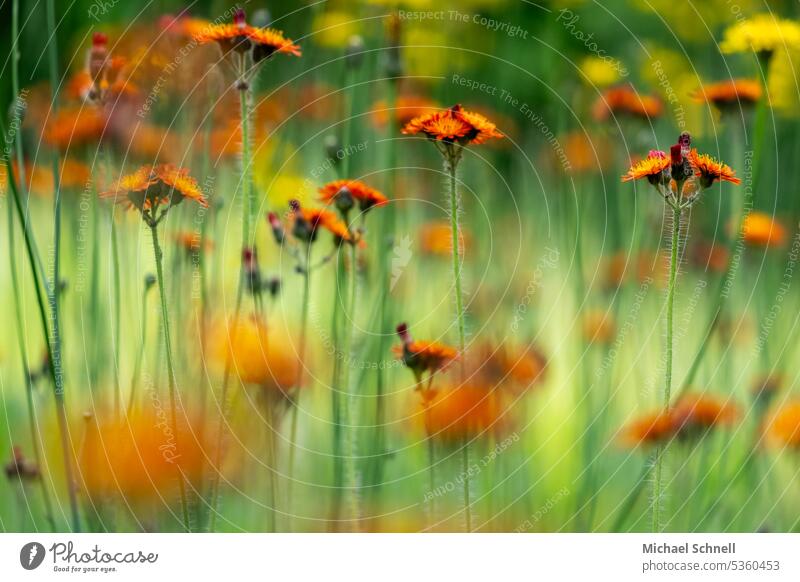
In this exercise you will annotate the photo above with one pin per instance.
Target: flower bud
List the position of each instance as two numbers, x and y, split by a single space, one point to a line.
277 228
354 53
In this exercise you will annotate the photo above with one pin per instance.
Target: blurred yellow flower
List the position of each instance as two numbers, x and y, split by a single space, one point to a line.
761 33
601 72
332 29
697 18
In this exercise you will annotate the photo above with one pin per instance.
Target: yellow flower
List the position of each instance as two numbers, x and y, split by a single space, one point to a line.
601 72
761 33
333 29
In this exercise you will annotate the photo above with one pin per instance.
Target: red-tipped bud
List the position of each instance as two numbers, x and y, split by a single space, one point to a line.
277 227
402 331
685 141
656 154
249 258
239 18
676 155
99 40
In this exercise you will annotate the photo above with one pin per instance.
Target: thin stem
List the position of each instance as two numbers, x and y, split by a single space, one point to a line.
170 367
54 284
247 195
336 405
301 354
23 352
673 277
350 406
452 164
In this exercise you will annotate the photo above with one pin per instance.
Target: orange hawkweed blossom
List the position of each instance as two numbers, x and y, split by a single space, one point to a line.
680 176
691 417
626 101
423 356
257 356
709 170
783 428
139 459
152 187
343 193
454 125
436 238
242 37
728 94
465 411
652 167
761 229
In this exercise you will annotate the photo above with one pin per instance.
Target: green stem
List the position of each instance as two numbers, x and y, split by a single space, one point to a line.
54 285
673 276
350 406
452 164
301 354
170 368
32 421
247 195
336 405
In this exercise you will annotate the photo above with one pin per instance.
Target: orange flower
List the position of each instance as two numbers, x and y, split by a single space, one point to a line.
760 229
140 459
406 108
454 125
423 356
342 192
460 412
152 186
511 366
707 255
308 221
709 170
784 426
650 429
241 37
190 242
73 127
256 356
652 168
598 327
730 93
694 414
436 238
624 100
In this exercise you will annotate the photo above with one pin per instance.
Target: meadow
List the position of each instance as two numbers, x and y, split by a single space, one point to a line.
380 266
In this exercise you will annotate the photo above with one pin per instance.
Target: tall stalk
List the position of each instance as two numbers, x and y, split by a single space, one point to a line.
170 367
451 164
301 353
673 276
23 351
350 407
54 284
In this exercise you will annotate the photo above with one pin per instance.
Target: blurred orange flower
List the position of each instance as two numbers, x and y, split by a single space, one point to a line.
624 100
761 229
436 238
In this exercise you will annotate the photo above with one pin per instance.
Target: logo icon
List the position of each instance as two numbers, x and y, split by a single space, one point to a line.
31 555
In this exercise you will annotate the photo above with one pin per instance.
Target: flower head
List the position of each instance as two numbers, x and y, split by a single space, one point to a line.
241 37
708 170
694 414
306 223
464 411
257 356
653 428
436 238
784 426
152 187
423 356
727 94
343 193
455 124
763 33
626 101
653 167
19 467
761 229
